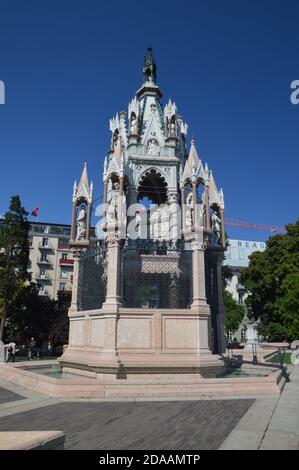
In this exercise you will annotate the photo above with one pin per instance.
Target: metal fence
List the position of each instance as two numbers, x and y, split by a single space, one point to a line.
92 277
155 274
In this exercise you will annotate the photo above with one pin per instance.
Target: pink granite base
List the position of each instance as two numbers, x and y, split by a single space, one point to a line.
145 387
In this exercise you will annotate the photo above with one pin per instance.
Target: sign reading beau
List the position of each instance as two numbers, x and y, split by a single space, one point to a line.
2 92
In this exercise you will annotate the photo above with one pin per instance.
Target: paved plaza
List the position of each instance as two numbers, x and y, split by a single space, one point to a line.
269 422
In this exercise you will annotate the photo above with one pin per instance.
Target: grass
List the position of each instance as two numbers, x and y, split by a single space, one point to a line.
284 358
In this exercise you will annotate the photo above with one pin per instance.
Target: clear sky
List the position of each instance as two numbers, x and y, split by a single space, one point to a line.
68 66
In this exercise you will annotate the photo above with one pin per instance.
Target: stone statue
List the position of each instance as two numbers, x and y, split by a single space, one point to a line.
216 228
133 125
153 147
81 230
189 211
113 203
138 223
172 129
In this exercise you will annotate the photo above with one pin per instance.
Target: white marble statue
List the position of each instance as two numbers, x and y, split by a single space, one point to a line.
134 125
189 211
153 147
113 204
81 230
216 228
172 129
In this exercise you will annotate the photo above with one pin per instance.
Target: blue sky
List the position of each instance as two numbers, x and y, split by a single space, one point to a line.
69 66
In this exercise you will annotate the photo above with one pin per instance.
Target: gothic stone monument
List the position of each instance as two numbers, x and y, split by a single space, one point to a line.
147 301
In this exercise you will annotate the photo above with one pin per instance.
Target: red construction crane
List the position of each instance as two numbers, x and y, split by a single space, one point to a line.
242 224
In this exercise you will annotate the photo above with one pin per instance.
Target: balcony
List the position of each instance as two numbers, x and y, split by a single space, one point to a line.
64 291
44 261
47 246
66 262
63 246
43 277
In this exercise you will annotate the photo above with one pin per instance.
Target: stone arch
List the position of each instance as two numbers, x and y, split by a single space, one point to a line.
153 185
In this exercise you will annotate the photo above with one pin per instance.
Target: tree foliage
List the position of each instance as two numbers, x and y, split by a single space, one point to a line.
24 313
272 279
14 256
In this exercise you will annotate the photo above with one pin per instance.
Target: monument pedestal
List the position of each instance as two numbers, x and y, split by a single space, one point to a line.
147 344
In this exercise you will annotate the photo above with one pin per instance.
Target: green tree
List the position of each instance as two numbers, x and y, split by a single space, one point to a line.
59 330
29 315
14 256
272 279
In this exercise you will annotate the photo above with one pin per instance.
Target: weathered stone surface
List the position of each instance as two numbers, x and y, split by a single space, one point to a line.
31 440
136 425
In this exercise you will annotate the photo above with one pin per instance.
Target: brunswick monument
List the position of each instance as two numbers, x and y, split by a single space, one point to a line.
147 300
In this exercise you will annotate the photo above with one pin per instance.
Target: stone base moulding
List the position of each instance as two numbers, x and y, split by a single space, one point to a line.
89 384
141 342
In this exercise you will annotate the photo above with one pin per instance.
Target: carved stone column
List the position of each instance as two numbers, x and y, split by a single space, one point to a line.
222 228
74 304
195 217
199 304
183 209
88 223
198 271
174 216
112 301
221 315
73 227
215 258
207 214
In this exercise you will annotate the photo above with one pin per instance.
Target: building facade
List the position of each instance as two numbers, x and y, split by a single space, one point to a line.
51 260
237 258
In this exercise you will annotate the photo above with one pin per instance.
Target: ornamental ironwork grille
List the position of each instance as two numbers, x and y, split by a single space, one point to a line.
156 274
92 280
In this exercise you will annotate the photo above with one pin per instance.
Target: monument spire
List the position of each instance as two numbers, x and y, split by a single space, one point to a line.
149 67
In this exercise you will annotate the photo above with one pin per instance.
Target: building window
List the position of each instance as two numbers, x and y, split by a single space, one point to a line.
46 229
44 257
63 273
241 299
64 256
45 242
42 272
62 286
243 335
241 253
41 288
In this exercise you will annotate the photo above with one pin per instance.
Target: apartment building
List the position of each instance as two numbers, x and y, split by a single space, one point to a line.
51 261
237 257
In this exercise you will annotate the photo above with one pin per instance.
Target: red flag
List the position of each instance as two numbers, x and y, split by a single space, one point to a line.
35 212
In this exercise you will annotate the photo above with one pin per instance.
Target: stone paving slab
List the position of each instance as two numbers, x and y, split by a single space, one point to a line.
196 425
271 423
280 440
8 396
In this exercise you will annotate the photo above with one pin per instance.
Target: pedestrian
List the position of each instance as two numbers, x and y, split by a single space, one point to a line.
31 349
11 350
